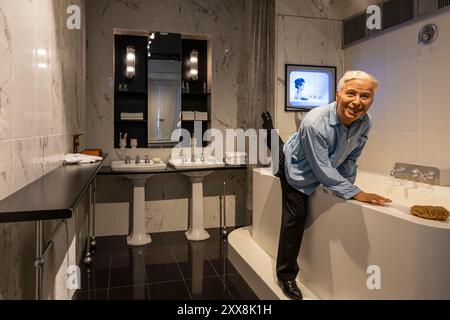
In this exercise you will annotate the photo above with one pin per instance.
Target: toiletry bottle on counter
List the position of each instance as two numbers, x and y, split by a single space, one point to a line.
133 143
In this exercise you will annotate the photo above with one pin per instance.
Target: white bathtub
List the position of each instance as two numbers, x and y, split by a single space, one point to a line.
343 239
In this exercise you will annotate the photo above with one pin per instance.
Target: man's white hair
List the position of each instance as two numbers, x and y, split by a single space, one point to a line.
361 75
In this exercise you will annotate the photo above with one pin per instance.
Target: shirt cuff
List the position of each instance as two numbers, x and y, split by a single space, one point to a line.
352 193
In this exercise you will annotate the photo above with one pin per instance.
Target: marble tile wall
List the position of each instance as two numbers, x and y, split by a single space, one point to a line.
42 93
223 22
323 9
410 111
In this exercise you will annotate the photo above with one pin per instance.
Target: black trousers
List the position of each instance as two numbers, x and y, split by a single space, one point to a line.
294 211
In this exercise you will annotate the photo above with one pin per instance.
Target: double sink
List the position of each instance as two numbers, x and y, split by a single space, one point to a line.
157 165
140 170
139 166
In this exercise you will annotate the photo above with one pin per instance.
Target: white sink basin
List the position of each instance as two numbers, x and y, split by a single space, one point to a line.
179 164
121 166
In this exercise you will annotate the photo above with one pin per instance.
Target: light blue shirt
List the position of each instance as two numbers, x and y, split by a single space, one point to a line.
324 151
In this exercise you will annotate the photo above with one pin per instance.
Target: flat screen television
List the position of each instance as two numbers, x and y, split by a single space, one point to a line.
308 87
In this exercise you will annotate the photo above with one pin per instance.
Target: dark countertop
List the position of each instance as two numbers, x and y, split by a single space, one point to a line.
53 196
106 170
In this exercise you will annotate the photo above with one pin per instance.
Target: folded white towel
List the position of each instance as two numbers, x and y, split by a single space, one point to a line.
188 115
131 116
74 158
135 114
203 116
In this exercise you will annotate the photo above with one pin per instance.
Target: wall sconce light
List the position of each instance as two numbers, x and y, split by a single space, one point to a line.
151 37
131 62
193 65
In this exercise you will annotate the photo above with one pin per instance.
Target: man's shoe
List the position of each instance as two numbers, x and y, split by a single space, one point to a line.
291 290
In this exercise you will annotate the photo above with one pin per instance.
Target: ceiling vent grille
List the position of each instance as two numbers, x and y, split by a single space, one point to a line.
443 3
355 29
396 12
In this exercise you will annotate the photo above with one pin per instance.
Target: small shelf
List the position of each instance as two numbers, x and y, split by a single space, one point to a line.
130 92
195 94
131 120
54 196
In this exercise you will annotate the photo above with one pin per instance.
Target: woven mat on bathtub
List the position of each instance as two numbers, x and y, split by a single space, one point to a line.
430 212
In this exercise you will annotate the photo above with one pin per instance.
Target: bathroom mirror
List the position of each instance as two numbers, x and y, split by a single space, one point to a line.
147 87
164 87
155 92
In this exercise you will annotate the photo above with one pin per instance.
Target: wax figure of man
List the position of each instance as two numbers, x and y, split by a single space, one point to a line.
323 152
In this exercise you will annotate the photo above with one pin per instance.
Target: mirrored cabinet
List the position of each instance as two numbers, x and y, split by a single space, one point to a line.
160 86
130 88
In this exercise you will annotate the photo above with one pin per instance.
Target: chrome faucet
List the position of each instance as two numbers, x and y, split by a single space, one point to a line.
138 159
396 171
418 173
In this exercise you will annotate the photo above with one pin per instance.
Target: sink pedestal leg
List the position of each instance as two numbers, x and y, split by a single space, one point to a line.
196 230
138 236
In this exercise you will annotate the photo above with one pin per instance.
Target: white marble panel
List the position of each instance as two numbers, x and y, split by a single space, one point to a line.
53 152
325 9
303 41
376 154
6 94
382 104
329 9
112 219
435 150
404 148
28 162
10 275
24 66
434 93
55 107
60 257
167 215
6 169
404 97
43 68
212 204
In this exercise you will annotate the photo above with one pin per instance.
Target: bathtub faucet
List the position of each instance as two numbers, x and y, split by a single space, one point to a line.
418 173
397 171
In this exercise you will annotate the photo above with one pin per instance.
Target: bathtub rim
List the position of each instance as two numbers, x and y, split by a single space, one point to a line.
395 210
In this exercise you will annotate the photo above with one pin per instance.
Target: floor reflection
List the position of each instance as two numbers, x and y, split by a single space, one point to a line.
170 268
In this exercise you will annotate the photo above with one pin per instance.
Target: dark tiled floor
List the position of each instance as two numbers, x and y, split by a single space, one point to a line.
170 268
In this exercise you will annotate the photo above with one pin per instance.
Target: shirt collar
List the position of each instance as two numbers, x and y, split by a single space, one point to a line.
334 119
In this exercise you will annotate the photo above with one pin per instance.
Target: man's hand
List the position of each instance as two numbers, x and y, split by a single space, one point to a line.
372 198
